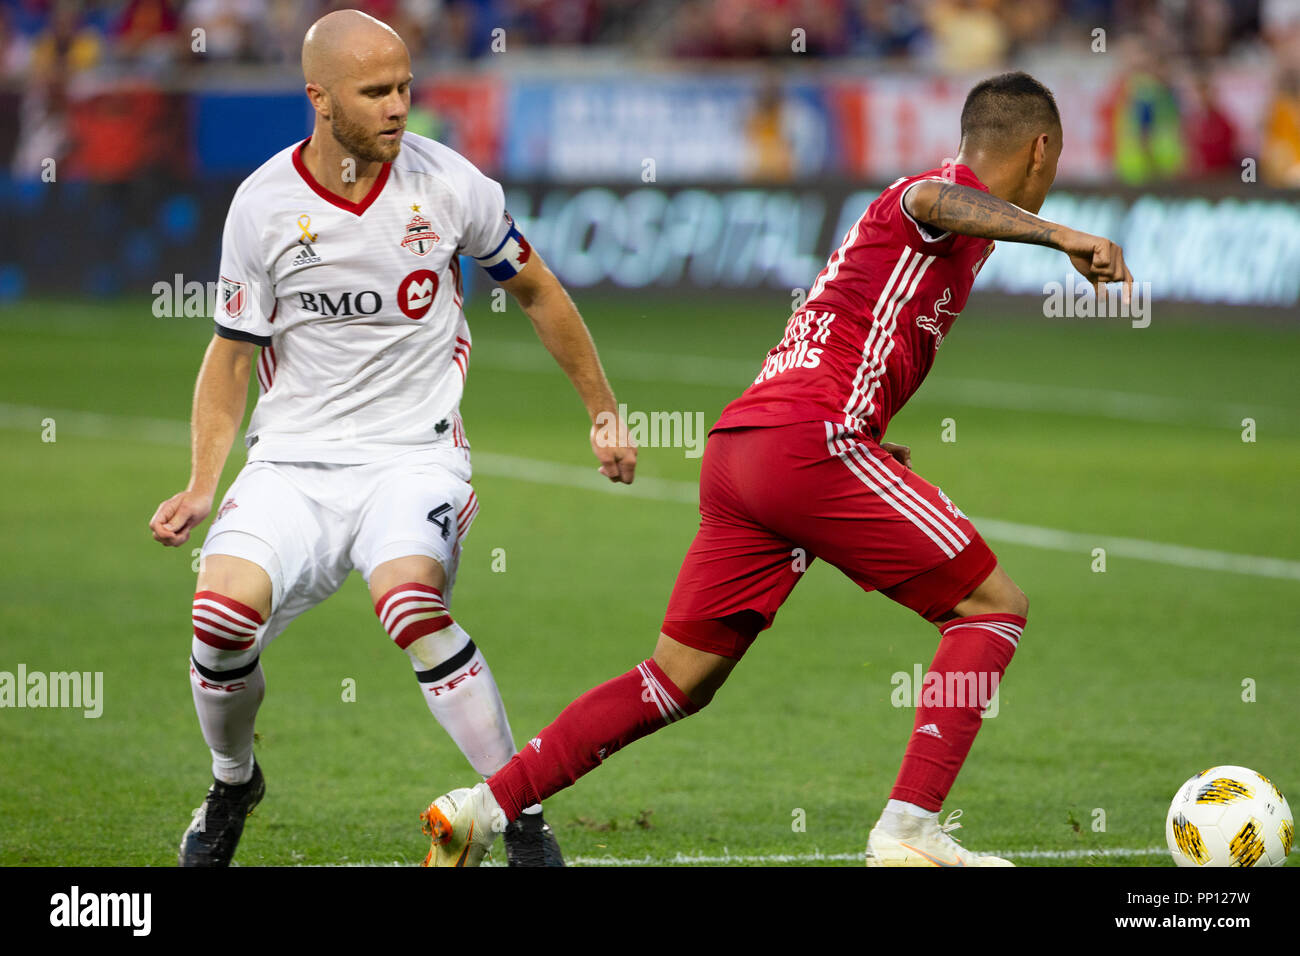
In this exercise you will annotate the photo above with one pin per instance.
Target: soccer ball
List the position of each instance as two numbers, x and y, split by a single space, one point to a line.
1229 816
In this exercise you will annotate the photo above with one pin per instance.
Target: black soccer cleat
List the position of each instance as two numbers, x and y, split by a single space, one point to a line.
530 841
214 833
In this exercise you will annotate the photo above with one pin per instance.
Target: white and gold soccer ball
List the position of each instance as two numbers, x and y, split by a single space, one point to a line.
1229 816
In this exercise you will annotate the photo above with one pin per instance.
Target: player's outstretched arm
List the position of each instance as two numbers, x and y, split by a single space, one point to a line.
219 399
973 212
561 329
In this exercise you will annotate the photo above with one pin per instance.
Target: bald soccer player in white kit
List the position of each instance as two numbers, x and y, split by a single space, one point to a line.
340 282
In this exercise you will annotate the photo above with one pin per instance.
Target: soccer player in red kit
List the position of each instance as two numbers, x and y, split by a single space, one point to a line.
798 464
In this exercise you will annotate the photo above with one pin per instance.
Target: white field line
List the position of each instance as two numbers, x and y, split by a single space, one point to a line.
1099 403
1051 539
701 859
769 859
522 356
171 432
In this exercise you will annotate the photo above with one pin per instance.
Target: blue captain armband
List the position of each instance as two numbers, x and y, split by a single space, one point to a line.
508 259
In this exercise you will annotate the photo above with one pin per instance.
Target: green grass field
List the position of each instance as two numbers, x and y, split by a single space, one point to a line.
1127 681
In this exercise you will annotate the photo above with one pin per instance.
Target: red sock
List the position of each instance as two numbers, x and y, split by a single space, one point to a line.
973 655
603 720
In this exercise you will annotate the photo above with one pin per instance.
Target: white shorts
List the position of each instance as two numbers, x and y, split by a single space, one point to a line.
309 525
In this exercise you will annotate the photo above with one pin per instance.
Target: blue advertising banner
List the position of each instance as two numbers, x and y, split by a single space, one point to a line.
721 238
234 133
649 128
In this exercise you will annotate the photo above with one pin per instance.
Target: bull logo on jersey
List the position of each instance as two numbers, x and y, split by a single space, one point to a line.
416 292
935 324
952 508
232 296
420 237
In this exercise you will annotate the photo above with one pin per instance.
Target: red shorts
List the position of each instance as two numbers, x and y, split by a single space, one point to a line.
774 499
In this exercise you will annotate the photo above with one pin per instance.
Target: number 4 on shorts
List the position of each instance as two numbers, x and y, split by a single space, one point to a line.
441 516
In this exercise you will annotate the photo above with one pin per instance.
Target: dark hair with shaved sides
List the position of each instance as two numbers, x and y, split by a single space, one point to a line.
1004 111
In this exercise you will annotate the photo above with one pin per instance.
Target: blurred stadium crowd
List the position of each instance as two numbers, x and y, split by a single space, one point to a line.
1165 93
125 125
943 34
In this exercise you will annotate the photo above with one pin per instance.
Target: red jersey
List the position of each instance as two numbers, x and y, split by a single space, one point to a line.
866 337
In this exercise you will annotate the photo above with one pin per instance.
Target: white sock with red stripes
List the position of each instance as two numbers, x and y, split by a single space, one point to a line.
457 684
227 681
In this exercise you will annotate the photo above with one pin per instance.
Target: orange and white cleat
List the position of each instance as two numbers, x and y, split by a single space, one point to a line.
918 841
462 824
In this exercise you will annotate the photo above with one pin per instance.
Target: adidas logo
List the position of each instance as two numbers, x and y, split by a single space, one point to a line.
931 729
305 257
536 744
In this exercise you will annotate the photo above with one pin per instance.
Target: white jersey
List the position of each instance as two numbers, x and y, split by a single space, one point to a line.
358 306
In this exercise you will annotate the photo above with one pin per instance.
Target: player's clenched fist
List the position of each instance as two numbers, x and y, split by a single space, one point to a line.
1098 260
613 447
178 515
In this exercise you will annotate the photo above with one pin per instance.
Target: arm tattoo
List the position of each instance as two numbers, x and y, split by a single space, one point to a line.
972 212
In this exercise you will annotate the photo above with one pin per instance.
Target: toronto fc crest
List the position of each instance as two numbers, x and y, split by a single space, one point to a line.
420 237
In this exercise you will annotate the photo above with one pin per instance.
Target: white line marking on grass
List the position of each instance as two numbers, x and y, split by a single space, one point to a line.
1051 539
1095 402
701 859
520 356
576 476
523 356
155 431
171 432
770 859
1138 549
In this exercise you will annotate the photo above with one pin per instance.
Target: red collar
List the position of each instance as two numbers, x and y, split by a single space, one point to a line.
356 208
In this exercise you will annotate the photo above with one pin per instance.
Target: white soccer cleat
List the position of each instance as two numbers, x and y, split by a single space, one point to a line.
923 841
462 824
